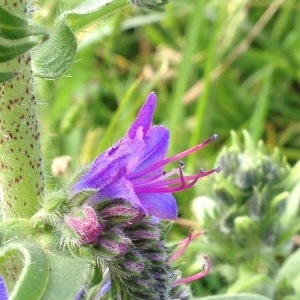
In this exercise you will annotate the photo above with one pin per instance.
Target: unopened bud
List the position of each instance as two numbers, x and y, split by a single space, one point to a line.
113 243
119 212
85 223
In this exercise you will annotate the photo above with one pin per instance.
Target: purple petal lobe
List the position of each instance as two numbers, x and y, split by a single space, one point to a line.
111 165
156 147
162 206
3 290
121 189
145 116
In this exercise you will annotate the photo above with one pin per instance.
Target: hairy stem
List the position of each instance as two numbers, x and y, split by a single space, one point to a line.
21 167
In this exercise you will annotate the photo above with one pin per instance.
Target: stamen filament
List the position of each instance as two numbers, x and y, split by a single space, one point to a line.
194 277
174 158
184 244
164 186
145 180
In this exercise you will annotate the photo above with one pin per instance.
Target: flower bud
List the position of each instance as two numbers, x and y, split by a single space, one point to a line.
118 212
113 243
143 233
133 264
85 223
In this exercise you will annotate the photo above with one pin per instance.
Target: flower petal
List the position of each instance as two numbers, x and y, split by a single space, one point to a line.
121 189
144 118
3 290
162 206
111 165
156 147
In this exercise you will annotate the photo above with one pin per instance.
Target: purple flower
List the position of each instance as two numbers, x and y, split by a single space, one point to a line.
133 169
3 289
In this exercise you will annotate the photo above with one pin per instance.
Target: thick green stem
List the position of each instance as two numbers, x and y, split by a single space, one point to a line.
21 167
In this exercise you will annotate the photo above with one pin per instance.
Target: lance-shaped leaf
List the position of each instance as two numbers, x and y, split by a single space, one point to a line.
57 54
13 27
91 10
8 52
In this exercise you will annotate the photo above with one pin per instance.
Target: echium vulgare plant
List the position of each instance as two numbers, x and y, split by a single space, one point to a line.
104 234
117 212
110 221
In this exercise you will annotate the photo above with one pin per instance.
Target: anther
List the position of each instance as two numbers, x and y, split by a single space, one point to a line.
215 137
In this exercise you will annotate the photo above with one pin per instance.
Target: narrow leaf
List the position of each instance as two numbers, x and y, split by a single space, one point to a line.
9 52
7 18
92 10
13 27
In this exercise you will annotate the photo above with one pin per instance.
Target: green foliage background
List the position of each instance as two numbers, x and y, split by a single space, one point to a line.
215 66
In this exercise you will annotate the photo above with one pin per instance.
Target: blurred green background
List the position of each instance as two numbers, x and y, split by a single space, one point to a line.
216 66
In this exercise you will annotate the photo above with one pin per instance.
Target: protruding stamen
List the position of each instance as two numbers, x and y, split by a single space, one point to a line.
204 272
218 169
174 158
165 185
184 244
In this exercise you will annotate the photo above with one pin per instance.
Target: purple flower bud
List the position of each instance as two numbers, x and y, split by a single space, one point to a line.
113 243
133 266
85 223
119 212
155 255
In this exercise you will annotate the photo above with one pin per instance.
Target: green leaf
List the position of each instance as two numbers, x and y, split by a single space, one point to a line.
9 52
57 54
7 18
13 27
25 269
236 297
91 10
68 275
7 76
